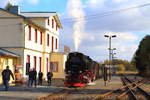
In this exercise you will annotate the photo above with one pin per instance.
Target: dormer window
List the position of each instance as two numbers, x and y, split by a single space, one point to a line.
52 43
56 27
41 38
56 41
35 35
29 38
48 22
47 39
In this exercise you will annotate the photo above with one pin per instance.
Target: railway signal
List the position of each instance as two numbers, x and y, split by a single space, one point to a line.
110 52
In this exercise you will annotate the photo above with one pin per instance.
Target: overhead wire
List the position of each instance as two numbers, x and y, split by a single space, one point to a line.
108 13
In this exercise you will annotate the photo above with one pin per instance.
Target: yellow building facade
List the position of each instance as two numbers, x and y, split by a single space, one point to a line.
57 63
7 59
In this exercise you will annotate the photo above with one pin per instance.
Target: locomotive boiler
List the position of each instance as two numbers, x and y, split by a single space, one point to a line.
80 70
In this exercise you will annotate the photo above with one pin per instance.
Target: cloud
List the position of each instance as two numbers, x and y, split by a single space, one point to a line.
94 3
88 36
126 51
33 1
118 1
129 37
124 36
3 3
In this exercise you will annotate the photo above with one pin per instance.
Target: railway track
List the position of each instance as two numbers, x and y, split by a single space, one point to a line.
61 95
82 93
129 91
136 90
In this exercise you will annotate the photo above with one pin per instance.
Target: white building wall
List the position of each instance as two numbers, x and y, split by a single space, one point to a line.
31 43
53 30
32 54
46 55
47 48
54 42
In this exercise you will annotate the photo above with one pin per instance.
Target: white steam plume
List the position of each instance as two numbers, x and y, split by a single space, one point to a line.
75 11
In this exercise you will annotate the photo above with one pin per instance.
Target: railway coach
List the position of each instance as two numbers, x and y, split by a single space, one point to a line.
80 70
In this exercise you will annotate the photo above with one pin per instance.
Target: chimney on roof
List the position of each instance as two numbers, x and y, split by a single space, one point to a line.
13 8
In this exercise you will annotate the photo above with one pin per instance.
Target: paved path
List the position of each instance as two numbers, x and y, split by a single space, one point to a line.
31 93
26 93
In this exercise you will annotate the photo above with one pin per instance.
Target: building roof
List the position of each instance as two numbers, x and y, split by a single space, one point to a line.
25 18
38 14
42 15
12 13
8 53
28 15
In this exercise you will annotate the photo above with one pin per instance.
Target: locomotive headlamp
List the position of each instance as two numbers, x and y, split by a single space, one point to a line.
80 71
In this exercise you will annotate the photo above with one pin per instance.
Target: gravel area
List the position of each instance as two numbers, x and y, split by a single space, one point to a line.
88 93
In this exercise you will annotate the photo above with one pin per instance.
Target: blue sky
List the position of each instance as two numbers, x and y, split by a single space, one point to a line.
87 34
45 5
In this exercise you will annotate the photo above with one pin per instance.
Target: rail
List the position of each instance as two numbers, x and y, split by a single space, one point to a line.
140 89
129 87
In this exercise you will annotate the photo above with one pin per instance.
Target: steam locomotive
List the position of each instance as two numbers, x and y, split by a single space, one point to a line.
80 70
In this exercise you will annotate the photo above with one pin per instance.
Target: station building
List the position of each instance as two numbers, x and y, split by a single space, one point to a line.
32 40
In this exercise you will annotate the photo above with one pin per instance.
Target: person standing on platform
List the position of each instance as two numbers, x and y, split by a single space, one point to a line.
49 78
6 77
40 78
30 77
34 75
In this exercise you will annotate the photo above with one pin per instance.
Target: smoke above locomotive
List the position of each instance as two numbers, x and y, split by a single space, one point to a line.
80 69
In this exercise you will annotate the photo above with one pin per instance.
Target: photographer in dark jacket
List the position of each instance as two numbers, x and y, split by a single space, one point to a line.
30 77
6 77
34 75
40 78
49 78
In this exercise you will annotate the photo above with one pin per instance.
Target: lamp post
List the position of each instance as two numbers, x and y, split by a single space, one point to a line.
110 52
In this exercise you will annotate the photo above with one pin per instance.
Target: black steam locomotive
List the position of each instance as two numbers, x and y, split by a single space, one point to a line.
80 70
